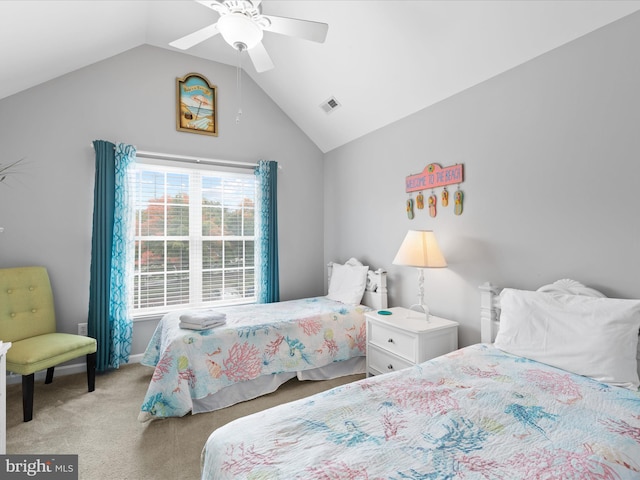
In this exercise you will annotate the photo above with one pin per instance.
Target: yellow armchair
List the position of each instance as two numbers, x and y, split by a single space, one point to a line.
28 321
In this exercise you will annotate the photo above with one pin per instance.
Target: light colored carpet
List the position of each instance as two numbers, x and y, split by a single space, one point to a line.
102 427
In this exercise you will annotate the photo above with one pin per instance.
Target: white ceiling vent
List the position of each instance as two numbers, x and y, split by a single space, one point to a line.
330 105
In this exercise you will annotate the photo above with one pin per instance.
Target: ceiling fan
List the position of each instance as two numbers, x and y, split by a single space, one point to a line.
242 26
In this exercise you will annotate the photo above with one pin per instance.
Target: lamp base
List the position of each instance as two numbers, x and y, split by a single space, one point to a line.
422 308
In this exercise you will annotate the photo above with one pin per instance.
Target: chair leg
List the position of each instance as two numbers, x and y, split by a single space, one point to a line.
27 396
49 378
91 371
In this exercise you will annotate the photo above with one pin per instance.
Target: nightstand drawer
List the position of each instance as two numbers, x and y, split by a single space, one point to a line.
383 362
403 344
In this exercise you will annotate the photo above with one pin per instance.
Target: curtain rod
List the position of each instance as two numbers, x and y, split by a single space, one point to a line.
189 159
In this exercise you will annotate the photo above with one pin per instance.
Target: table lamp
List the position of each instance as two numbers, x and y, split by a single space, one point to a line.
420 249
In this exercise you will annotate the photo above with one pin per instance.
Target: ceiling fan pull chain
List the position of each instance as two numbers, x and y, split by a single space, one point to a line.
239 82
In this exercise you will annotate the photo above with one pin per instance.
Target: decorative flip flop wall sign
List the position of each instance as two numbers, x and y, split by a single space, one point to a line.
434 176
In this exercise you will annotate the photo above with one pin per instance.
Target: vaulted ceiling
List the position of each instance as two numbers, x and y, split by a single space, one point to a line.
382 60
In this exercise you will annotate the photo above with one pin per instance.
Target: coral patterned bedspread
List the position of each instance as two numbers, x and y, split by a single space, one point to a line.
257 340
477 413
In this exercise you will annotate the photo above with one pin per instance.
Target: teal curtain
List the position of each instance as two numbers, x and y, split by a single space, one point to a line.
109 320
121 325
267 270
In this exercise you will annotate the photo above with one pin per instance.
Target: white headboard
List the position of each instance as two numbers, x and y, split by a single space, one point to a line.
490 303
375 293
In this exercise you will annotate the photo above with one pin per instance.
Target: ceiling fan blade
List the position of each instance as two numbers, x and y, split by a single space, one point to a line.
196 37
293 27
260 58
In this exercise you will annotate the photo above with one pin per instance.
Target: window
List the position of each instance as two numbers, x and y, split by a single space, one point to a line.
194 238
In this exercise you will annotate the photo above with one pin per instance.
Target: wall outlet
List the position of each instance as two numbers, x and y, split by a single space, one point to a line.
83 329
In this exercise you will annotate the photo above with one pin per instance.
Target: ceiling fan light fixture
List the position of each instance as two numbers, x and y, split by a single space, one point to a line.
239 31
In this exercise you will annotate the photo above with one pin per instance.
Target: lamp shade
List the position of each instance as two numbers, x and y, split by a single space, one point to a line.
420 249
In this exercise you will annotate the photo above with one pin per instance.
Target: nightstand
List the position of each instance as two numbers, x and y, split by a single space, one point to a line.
405 338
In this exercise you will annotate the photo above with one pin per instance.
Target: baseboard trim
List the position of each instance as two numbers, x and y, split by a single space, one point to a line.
13 378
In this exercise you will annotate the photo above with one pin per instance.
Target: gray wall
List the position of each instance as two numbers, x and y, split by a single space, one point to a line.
552 168
550 150
47 209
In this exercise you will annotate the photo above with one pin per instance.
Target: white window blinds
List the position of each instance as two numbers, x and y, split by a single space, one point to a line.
194 238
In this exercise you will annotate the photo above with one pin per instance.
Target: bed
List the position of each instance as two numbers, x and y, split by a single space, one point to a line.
261 346
481 412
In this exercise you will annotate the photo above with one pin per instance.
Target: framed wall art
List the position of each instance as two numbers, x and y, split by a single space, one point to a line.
197 103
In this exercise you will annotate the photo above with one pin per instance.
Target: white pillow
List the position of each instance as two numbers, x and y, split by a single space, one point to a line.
348 282
595 337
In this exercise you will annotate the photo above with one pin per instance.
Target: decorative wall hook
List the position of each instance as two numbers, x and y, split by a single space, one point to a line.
457 200
433 200
410 208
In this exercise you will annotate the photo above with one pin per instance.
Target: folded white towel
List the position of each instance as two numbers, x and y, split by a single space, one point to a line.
198 326
200 318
